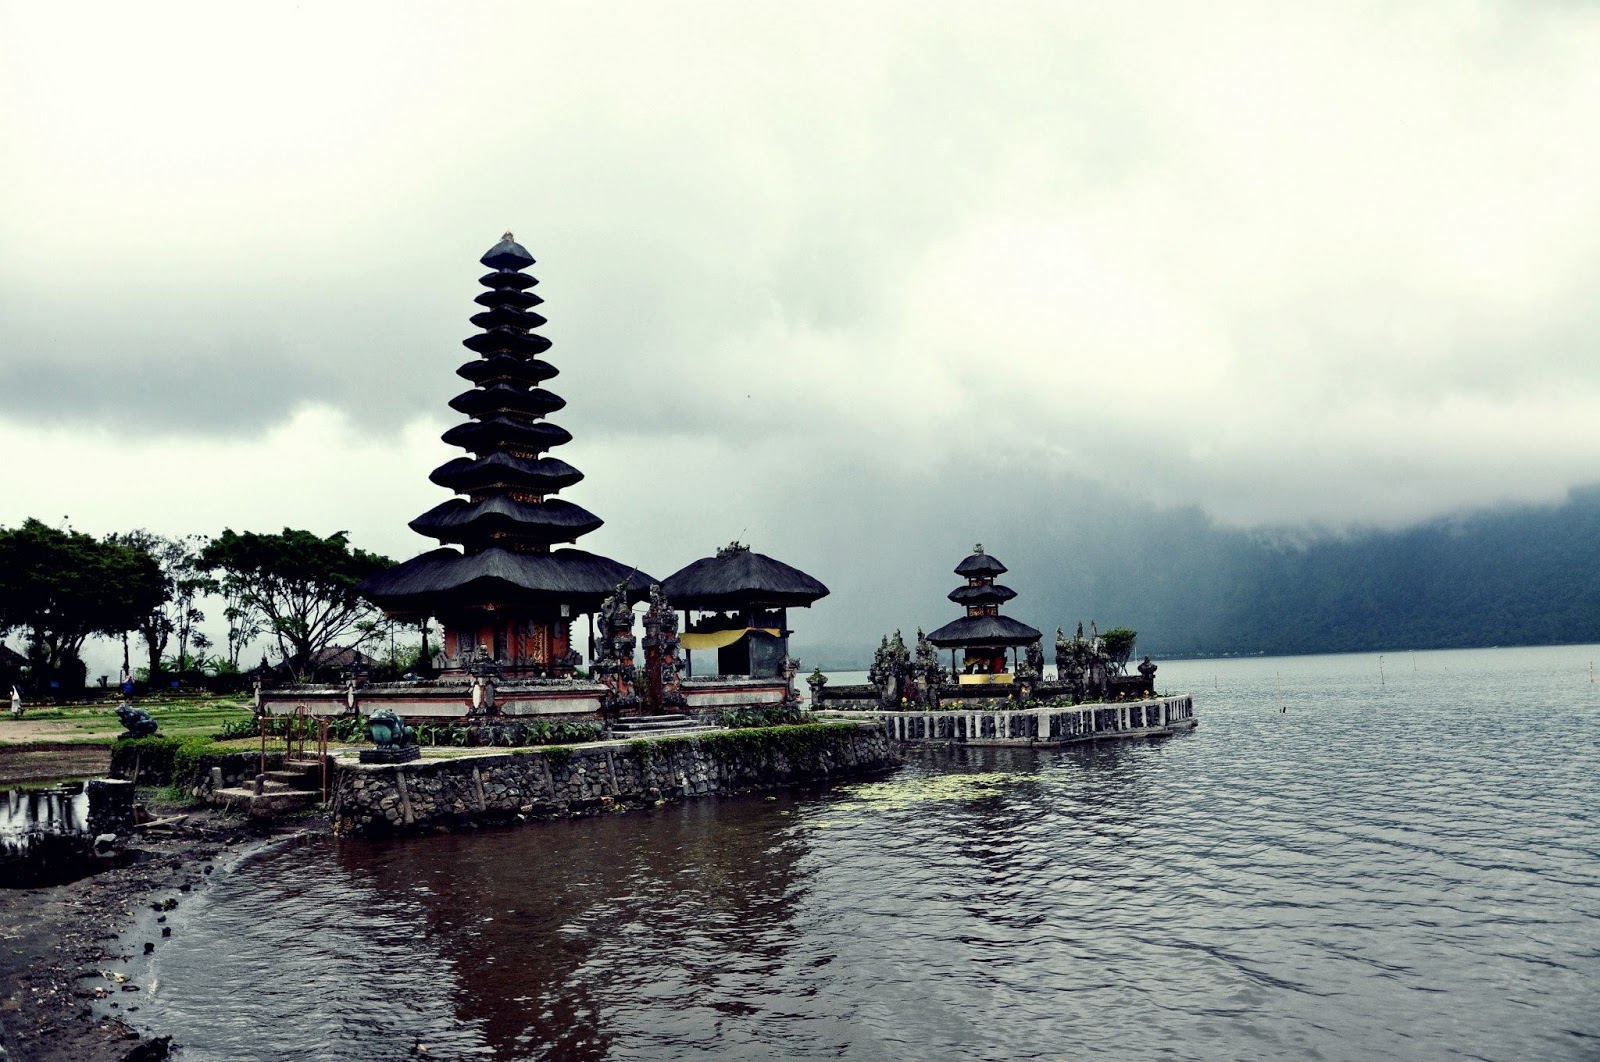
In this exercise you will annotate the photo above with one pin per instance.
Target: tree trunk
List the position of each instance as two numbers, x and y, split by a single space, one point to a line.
156 648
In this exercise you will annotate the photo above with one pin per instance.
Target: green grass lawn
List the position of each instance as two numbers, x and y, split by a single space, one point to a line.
98 723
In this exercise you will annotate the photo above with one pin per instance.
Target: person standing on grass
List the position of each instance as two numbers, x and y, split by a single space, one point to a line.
16 703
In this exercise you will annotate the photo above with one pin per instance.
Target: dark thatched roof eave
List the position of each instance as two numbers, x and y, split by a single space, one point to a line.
444 580
988 594
543 475
500 432
459 520
745 579
507 367
980 564
983 630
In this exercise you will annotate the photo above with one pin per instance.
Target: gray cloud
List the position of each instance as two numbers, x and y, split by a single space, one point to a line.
1320 264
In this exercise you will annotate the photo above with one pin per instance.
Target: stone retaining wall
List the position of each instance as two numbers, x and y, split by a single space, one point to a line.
548 782
154 769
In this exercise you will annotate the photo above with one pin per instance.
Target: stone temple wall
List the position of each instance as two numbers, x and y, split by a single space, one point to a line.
550 782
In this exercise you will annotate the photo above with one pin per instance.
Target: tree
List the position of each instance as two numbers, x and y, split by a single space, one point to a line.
1118 643
182 584
61 586
397 655
303 586
244 621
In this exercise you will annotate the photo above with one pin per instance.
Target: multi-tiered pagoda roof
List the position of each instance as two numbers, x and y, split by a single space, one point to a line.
982 597
506 521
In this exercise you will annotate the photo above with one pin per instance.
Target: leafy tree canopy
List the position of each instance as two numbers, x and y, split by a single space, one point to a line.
178 611
61 586
303 585
1118 644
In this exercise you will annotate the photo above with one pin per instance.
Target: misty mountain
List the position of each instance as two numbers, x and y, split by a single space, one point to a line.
1506 576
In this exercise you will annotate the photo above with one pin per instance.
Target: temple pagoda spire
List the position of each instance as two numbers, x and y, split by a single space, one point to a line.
499 583
509 479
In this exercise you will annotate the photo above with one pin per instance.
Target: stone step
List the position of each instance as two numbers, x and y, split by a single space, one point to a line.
669 731
651 722
297 778
271 785
272 801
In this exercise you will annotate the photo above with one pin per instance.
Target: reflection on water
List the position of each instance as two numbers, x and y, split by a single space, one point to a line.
25 813
1399 866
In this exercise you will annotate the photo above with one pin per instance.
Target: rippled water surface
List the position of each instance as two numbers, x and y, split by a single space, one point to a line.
1399 866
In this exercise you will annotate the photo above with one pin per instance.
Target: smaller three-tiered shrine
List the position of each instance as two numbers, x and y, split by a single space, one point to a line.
983 634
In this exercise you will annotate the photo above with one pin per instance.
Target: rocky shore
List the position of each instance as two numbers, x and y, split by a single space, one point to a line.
67 993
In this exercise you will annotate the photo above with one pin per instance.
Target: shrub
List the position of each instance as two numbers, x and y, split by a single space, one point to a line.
158 760
775 715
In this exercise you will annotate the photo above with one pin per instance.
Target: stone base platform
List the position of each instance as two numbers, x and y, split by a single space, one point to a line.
1048 725
397 754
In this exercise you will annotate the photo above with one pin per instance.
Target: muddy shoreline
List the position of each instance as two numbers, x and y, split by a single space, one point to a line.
70 954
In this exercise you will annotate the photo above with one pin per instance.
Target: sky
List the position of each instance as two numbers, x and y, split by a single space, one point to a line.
844 281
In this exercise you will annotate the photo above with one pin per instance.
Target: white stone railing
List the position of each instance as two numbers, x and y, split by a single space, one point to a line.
1047 724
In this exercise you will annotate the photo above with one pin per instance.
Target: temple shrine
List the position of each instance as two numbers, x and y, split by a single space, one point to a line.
982 634
499 587
509 586
736 605
743 599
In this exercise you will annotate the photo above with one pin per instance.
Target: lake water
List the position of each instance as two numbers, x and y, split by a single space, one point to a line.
1404 865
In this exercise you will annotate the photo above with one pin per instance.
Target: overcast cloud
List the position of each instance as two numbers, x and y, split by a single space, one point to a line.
1287 264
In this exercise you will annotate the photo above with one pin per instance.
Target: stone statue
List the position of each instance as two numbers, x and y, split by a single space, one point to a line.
816 680
607 621
394 741
1034 660
891 671
136 721
1075 665
613 656
791 667
877 674
1147 671
662 663
388 731
930 676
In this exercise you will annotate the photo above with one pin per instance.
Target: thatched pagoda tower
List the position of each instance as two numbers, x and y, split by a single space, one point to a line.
498 584
983 633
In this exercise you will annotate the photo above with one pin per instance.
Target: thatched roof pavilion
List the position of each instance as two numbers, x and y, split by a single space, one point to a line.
756 592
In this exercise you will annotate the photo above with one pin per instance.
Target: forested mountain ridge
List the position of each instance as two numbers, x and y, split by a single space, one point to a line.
1508 576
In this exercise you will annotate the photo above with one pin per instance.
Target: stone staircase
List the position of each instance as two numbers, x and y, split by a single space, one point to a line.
643 726
296 786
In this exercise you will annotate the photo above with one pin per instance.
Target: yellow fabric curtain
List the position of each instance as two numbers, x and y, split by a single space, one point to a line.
718 639
985 680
